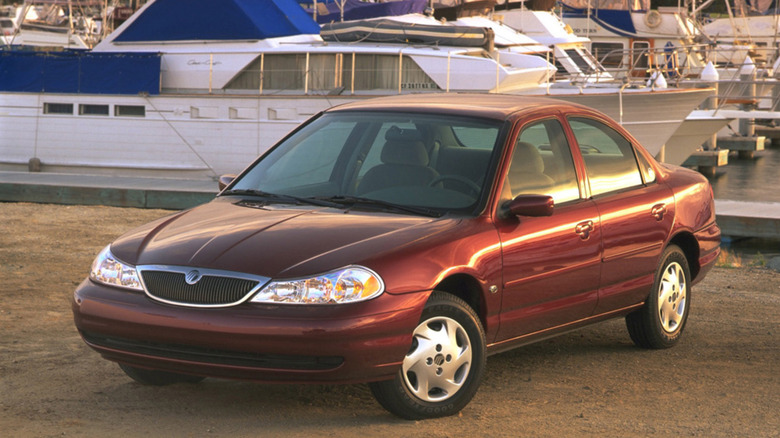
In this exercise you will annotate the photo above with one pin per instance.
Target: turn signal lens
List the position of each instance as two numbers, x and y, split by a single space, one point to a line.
348 285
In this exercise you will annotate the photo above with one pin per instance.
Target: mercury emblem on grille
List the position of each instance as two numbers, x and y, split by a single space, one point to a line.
192 277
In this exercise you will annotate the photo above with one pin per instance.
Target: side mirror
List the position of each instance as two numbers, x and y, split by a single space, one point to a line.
531 205
225 181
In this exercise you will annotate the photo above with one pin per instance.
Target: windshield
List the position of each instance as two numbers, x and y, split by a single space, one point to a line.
433 162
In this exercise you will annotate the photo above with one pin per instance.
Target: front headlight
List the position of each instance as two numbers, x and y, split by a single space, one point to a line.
107 269
348 285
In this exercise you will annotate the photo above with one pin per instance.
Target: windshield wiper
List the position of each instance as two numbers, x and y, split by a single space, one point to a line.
284 199
353 201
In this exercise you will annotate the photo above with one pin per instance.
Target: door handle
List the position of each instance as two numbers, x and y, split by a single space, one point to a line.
583 229
658 211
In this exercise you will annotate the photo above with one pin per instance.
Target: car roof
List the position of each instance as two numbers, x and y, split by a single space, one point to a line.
491 106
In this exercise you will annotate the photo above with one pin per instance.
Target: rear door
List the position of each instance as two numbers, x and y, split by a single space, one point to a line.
636 213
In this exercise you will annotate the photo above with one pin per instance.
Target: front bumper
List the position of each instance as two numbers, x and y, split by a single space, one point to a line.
347 343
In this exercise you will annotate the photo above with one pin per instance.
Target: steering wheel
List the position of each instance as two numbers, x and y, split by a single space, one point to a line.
588 149
461 179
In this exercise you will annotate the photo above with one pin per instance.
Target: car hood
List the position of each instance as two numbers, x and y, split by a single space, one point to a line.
277 241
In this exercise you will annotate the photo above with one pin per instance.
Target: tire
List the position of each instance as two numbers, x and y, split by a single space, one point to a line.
444 366
661 321
157 378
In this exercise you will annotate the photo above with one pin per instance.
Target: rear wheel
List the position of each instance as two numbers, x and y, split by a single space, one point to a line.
444 366
660 322
157 378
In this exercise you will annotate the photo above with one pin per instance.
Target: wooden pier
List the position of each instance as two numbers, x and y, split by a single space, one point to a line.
748 219
745 146
735 218
770 132
706 162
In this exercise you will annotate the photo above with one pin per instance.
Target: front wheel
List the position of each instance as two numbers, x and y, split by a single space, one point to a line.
157 378
660 322
444 366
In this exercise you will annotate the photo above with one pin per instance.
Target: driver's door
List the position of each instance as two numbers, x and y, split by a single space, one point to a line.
551 265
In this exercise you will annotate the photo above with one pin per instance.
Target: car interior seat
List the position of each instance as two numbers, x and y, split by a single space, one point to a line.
526 173
404 162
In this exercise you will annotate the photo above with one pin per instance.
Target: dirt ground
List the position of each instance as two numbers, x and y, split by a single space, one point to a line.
723 379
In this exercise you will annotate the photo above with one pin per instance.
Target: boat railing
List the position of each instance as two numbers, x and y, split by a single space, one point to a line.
747 87
674 62
742 83
681 62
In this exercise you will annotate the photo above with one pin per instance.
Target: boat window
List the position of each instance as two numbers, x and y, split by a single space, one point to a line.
380 72
93 110
287 72
58 108
609 157
130 111
331 73
609 54
640 54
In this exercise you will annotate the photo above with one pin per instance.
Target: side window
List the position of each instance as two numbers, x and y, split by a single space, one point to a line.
610 54
542 163
609 157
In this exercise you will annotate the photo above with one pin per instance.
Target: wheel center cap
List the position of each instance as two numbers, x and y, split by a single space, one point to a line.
439 359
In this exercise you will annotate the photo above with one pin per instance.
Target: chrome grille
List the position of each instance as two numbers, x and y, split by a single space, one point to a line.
211 289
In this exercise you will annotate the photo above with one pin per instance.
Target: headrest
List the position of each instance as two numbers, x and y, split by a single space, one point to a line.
409 153
396 133
527 158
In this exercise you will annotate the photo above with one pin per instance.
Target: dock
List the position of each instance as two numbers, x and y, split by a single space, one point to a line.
748 219
115 191
735 218
706 162
746 147
770 132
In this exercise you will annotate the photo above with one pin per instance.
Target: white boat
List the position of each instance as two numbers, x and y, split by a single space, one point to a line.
570 50
626 35
57 24
224 93
755 22
653 114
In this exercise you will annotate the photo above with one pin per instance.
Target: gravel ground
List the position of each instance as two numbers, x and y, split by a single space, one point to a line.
723 379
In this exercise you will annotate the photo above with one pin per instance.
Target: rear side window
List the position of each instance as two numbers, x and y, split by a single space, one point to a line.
609 157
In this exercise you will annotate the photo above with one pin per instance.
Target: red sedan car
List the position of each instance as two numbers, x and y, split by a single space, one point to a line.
399 241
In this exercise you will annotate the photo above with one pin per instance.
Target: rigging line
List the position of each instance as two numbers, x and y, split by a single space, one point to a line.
168 122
